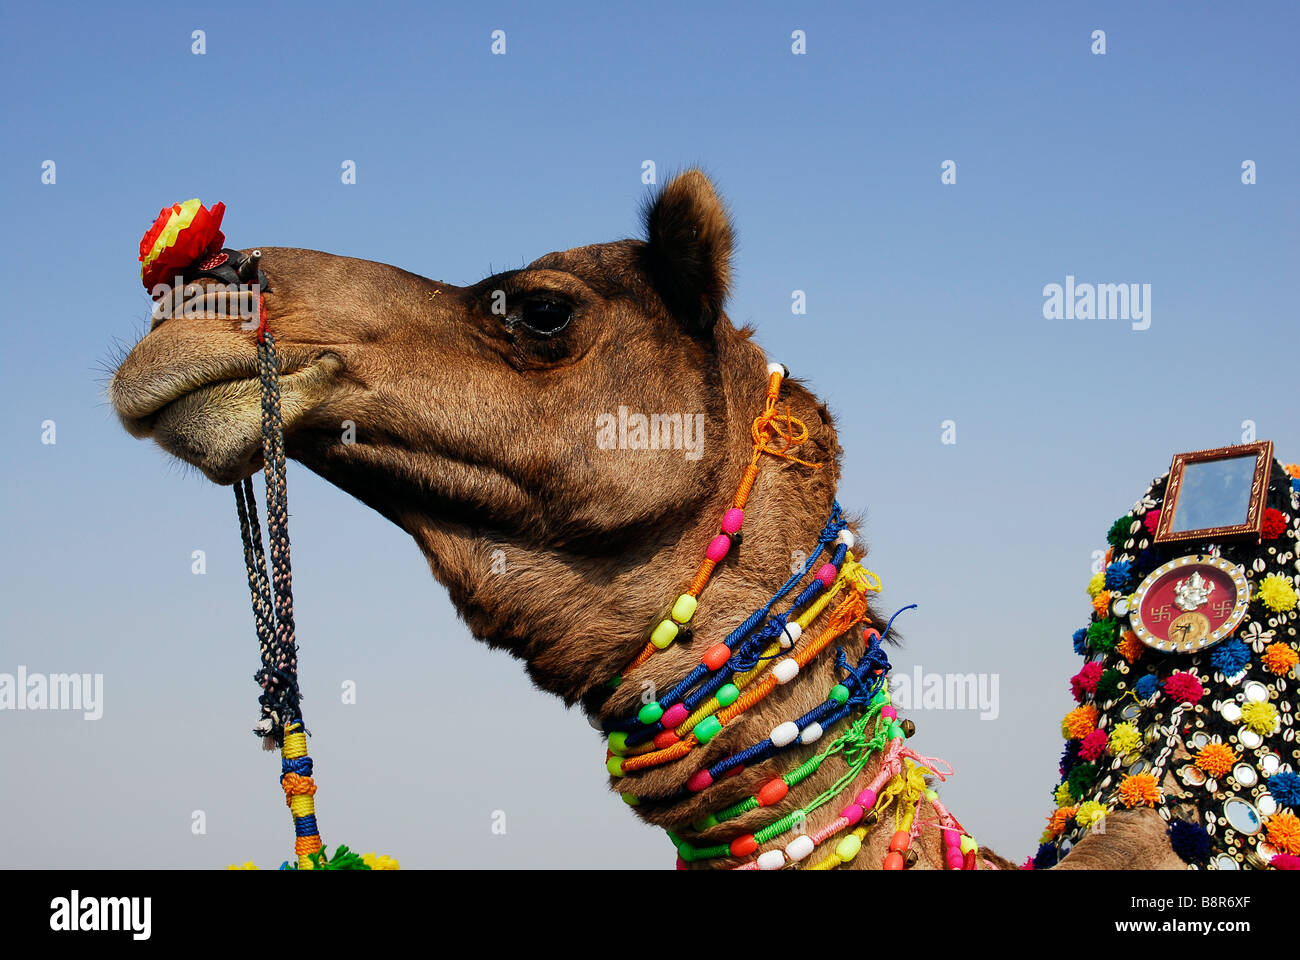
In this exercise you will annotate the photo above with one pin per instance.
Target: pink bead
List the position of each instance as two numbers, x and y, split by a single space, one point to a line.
888 712
827 574
852 813
955 859
952 840
681 864
732 519
718 548
866 799
674 715
699 781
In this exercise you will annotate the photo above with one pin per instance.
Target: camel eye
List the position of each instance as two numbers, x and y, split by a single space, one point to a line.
545 317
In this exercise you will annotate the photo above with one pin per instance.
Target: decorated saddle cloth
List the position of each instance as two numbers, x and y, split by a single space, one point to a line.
1187 696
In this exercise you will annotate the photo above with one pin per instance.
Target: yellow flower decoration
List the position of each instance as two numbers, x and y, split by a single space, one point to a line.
1260 717
1079 722
1063 796
1089 813
1139 789
248 865
1124 739
1276 593
380 863
1097 584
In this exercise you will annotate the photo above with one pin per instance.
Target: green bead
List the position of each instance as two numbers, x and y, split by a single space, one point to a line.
727 694
614 682
631 799
684 608
651 712
707 729
932 795
880 699
664 634
895 731
839 693
618 744
968 844
615 766
848 848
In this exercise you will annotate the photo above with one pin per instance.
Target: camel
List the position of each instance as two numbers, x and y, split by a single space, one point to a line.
476 414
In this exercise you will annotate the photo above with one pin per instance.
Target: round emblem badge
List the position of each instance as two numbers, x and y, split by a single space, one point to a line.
1189 604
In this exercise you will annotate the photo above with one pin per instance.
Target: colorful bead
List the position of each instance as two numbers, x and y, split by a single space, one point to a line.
866 799
900 841
852 813
707 729
650 713
848 847
685 608
618 744
968 844
785 670
783 734
811 733
839 693
700 780
772 860
665 739
615 766
631 799
732 520
893 861
772 792
790 635
799 847
955 859
674 715
716 656
744 845
827 574
888 712
845 537
727 694
664 634
718 548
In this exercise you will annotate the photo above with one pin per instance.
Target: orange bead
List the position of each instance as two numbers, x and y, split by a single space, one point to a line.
744 846
900 841
893 860
773 791
665 739
716 656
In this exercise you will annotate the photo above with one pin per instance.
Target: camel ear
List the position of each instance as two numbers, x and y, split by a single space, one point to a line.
688 249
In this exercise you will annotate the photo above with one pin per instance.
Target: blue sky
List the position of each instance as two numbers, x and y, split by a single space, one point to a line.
924 305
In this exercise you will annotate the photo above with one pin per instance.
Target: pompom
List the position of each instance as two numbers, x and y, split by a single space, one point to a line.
1101 603
1079 722
1085 681
1118 575
1147 560
1081 641
1284 861
1279 659
182 235
1285 789
1190 841
1081 779
1139 789
1101 635
1230 656
1183 687
1096 585
1107 686
1124 739
1119 531
1216 759
1284 831
1274 524
1057 819
1089 813
1151 521
1276 593
1069 756
1063 796
1146 686
1092 745
1260 717
1045 858
1131 648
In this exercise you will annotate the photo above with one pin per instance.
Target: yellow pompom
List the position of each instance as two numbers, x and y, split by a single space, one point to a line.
1063 797
380 863
1260 717
248 865
1276 593
1096 585
1124 739
1089 813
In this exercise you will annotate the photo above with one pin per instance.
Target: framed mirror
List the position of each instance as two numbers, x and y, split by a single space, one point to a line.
1215 494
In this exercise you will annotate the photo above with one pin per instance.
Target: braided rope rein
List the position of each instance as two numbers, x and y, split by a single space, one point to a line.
281 723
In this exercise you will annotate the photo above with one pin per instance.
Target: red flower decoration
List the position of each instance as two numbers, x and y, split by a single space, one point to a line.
1085 681
182 235
1151 521
1093 745
1274 523
1184 687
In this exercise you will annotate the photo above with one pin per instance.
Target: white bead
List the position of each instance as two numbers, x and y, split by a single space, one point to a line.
775 368
811 733
845 537
799 847
772 860
790 635
785 670
783 734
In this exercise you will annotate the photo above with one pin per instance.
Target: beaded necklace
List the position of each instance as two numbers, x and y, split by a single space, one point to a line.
718 689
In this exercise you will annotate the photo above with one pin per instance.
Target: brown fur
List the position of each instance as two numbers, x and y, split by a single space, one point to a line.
476 436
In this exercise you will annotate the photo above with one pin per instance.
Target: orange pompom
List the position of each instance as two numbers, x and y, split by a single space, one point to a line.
1101 603
1080 722
1279 658
1140 788
1216 759
1131 648
1284 831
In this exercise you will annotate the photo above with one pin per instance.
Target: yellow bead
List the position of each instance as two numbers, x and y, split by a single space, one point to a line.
615 766
848 848
968 844
664 634
684 608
